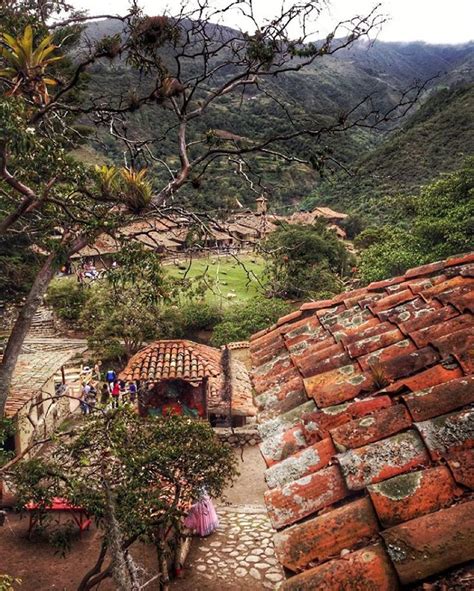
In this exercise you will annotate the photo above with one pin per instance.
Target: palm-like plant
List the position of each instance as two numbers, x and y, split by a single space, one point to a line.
137 190
25 65
126 185
107 180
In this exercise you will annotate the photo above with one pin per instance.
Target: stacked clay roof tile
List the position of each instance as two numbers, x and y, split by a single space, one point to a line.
365 404
195 363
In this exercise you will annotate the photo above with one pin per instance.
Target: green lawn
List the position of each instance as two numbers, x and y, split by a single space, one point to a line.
229 280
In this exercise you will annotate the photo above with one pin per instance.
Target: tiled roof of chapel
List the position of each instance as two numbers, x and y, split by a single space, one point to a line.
193 362
365 405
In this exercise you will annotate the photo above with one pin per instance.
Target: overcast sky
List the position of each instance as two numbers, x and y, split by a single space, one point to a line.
433 21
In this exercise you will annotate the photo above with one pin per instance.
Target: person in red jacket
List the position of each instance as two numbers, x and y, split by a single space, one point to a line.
115 394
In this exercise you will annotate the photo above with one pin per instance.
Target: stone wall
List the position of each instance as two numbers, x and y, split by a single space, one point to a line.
240 436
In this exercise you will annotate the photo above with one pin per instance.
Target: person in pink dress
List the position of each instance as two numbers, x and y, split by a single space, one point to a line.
202 518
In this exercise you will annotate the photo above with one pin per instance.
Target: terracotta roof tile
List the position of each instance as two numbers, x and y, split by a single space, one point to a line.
282 445
319 305
440 399
368 429
386 354
390 301
383 335
425 269
331 357
461 260
379 285
338 385
370 376
274 406
382 459
432 543
412 309
461 464
304 496
285 421
293 316
318 424
369 568
325 536
308 460
427 335
447 433
425 379
427 318
411 495
409 363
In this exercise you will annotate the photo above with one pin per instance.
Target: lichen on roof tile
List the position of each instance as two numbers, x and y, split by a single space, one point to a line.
411 361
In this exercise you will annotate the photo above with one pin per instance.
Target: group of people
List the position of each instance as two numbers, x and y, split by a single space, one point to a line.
110 392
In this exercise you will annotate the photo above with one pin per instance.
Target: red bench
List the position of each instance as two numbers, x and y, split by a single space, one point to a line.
79 514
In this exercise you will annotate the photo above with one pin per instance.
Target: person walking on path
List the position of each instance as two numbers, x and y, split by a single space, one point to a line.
202 518
110 378
115 394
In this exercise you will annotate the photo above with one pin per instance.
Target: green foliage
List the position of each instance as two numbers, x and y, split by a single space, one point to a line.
305 261
439 222
67 297
199 315
353 225
6 430
117 321
18 265
242 320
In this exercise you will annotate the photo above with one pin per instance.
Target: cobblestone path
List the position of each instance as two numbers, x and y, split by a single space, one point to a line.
239 555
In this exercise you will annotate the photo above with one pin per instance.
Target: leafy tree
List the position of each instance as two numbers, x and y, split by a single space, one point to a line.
117 323
240 321
305 261
353 225
137 480
441 224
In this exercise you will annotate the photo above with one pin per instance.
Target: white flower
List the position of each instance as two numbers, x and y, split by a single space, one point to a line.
30 130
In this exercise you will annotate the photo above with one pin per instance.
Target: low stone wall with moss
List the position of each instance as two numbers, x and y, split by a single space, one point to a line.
240 436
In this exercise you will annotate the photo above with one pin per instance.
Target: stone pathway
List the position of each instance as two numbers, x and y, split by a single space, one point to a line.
239 555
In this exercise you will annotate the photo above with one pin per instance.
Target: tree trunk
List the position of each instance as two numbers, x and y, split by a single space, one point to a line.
160 543
124 571
22 326
32 303
95 570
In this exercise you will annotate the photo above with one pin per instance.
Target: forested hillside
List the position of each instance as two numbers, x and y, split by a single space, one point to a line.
436 139
319 94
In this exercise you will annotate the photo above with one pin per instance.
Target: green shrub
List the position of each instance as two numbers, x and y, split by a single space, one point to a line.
67 297
240 321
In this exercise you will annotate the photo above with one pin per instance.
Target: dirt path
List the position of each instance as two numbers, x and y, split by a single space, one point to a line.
240 554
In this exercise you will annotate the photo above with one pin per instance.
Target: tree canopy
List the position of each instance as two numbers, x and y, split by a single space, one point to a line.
432 225
305 262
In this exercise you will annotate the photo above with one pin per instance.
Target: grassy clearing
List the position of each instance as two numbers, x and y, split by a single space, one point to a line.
229 280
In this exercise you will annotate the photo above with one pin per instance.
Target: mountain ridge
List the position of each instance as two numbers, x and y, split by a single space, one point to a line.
319 94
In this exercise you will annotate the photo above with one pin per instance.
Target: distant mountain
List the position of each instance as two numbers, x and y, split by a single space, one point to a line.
318 94
436 139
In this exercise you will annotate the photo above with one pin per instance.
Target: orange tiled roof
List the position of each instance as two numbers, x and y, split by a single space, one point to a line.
368 428
193 362
166 360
